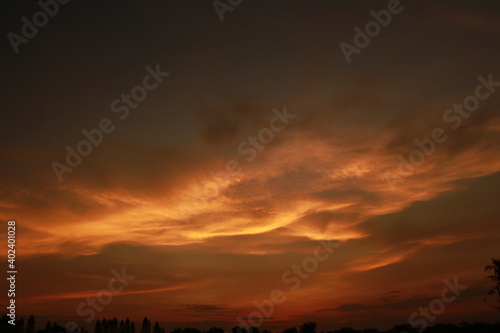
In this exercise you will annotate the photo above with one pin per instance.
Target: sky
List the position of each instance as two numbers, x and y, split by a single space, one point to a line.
257 142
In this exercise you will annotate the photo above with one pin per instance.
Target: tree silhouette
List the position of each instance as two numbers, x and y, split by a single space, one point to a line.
146 326
346 330
127 326
56 328
114 325
176 330
104 326
156 328
290 330
20 325
495 268
308 327
215 330
191 330
98 328
30 325
239 329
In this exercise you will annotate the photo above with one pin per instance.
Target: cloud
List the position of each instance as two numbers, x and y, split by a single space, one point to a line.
205 307
137 200
349 308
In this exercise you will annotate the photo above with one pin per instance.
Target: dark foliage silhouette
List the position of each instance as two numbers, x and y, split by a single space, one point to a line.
290 330
308 327
495 277
127 326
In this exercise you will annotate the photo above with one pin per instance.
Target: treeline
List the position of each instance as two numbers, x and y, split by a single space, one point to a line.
29 326
127 326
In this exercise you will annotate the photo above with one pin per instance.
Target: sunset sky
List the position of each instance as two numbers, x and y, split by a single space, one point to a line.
203 248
